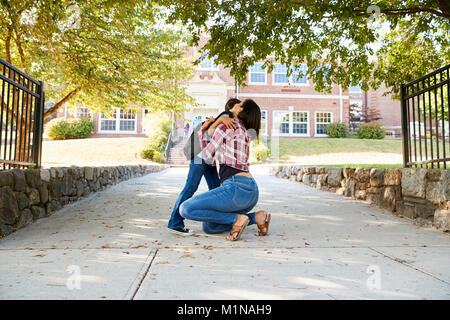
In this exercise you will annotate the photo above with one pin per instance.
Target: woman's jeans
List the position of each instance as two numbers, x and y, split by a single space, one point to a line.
197 169
219 208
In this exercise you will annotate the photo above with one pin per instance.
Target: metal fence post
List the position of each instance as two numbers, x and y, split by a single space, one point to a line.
37 128
405 137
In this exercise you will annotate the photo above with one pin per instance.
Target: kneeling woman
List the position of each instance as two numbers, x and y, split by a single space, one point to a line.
228 206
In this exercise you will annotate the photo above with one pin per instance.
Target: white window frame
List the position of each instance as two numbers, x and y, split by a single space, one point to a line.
290 81
316 123
250 75
267 121
291 124
117 120
274 73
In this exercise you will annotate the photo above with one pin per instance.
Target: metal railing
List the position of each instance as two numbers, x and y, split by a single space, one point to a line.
425 120
169 145
21 118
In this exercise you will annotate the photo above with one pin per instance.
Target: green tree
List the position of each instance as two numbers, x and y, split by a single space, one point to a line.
435 106
339 40
100 53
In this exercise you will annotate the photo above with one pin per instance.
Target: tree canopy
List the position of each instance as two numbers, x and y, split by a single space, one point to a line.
347 42
101 53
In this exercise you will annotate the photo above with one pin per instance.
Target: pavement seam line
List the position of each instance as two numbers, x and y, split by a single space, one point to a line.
144 275
219 247
405 263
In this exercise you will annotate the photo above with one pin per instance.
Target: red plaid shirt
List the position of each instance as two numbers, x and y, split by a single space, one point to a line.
227 146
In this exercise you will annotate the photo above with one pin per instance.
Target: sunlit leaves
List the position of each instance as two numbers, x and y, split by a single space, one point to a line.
324 33
118 53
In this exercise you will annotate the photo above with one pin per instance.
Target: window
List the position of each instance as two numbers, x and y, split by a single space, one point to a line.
263 130
207 64
299 122
291 122
280 74
108 123
257 74
281 121
82 112
296 75
323 119
118 121
127 121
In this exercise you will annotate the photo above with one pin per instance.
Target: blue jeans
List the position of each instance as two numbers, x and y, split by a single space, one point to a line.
197 169
219 208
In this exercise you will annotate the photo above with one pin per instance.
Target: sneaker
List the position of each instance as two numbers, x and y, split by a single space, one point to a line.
185 232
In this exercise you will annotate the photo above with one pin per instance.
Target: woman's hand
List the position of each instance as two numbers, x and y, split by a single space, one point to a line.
230 123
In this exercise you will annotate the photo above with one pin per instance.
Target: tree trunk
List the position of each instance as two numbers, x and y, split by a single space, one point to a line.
445 7
21 54
58 105
8 46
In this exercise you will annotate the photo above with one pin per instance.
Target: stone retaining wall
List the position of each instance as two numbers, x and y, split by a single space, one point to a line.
419 194
28 195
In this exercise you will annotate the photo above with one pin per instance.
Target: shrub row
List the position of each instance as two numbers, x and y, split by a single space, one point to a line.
61 129
365 131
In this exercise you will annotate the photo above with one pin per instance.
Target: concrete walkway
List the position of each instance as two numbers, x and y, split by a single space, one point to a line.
321 246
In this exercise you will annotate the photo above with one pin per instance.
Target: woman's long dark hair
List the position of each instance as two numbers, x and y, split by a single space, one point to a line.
251 116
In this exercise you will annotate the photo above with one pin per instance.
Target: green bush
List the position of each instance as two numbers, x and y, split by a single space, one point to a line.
371 131
58 129
61 129
258 151
81 128
157 140
337 130
159 157
148 152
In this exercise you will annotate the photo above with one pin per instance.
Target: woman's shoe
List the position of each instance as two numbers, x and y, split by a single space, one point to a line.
264 227
236 231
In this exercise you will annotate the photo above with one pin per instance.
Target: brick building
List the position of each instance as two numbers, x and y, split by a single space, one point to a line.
390 110
119 124
290 106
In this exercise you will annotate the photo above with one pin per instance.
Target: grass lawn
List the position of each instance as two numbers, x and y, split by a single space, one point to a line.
312 146
340 152
93 152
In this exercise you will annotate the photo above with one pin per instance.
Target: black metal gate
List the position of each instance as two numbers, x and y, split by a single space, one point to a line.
425 120
21 118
